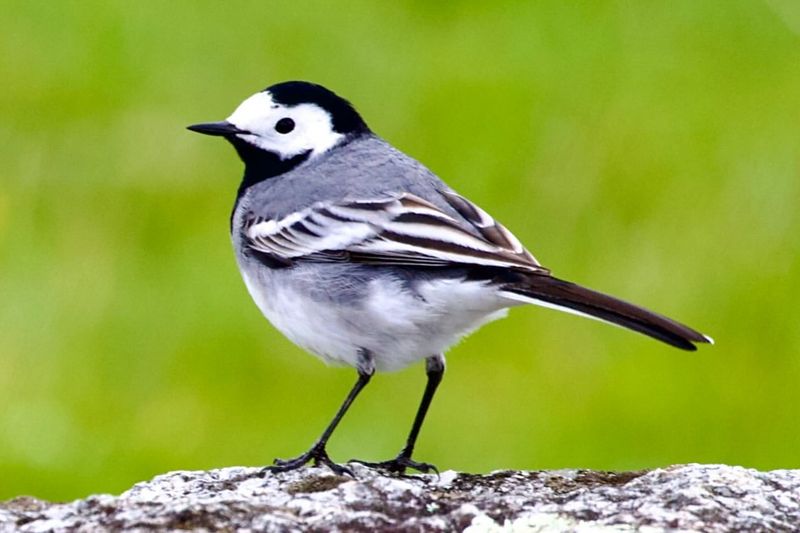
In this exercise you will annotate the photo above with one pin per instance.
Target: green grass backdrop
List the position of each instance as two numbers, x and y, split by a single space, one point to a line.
648 149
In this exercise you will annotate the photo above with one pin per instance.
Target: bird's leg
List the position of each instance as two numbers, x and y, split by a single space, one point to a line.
317 453
434 368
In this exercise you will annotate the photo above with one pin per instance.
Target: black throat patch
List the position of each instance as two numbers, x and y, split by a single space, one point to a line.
260 165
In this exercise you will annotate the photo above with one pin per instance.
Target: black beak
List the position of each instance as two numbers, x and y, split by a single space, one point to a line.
222 128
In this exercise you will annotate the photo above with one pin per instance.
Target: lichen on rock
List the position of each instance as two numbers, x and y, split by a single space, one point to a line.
686 497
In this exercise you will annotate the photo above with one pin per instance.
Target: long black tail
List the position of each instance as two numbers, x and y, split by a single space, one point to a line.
553 292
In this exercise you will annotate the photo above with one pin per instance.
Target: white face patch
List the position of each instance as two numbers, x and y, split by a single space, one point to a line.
313 130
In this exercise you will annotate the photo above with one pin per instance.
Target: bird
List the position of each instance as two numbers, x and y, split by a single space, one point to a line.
362 256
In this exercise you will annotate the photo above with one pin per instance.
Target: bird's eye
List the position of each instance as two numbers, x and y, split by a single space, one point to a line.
284 125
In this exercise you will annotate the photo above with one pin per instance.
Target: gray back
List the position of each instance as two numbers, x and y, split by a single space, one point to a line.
365 168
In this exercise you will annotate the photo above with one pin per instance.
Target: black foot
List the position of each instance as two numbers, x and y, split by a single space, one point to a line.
399 464
316 454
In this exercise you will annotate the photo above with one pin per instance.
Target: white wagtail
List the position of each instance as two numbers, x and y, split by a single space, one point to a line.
362 256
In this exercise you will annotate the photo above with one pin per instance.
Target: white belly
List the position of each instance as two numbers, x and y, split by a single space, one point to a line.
396 326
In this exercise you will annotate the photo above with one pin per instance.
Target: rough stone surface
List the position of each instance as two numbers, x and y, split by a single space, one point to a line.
688 497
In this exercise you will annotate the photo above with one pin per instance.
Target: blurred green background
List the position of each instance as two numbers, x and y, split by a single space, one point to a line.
647 149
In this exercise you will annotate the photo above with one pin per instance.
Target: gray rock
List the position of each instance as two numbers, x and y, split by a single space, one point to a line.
678 498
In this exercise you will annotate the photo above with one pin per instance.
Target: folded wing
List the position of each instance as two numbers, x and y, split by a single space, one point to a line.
399 230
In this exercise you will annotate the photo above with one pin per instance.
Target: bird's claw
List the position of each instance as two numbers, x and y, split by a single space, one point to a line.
399 464
318 454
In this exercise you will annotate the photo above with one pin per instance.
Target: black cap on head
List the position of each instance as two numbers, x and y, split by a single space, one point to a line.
343 115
